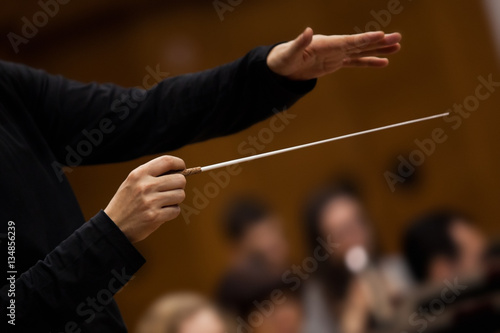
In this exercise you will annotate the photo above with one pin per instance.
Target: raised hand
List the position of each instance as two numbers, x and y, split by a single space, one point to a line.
311 56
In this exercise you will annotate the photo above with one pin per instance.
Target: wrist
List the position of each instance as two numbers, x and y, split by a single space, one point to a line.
274 62
110 214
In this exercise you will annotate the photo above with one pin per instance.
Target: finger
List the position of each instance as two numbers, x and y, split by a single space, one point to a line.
302 41
393 38
169 213
168 198
170 182
359 41
380 51
162 165
365 62
388 40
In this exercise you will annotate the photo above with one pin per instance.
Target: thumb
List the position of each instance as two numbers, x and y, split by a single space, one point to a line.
302 41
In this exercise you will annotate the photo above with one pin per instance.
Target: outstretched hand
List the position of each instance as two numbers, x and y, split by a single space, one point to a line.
311 56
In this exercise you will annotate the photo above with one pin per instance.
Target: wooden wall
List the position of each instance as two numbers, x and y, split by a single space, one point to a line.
446 46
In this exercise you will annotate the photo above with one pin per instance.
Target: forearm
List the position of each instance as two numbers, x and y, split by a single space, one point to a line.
196 107
126 123
96 259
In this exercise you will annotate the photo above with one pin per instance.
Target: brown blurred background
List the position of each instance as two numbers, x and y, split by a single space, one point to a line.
446 46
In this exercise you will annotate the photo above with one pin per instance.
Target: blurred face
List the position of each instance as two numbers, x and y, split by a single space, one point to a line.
471 245
343 218
286 318
265 241
203 321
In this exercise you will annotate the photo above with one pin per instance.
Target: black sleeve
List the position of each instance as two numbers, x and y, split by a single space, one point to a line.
105 123
91 264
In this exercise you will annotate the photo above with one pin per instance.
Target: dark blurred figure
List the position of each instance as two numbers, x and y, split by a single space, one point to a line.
459 284
182 313
259 253
442 245
274 308
286 317
353 290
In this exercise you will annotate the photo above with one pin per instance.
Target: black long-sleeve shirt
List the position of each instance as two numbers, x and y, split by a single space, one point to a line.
66 270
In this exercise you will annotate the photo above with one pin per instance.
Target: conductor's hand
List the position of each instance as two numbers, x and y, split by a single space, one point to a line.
146 199
311 56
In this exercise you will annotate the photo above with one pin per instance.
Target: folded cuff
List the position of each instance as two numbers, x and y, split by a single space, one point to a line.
118 240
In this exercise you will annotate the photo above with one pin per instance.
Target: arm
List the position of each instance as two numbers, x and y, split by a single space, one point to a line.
354 316
74 282
123 124
128 123
92 263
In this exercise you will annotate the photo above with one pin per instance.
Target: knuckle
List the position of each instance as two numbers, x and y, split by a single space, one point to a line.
134 175
181 163
176 181
181 180
150 202
173 162
150 215
143 202
360 41
181 195
167 160
146 187
142 188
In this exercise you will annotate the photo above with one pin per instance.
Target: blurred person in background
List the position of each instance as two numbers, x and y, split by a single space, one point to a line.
272 308
353 290
442 245
458 277
259 251
285 315
182 313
